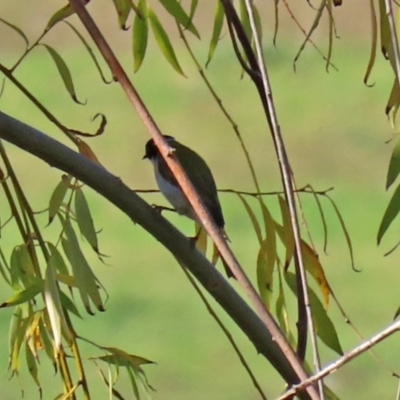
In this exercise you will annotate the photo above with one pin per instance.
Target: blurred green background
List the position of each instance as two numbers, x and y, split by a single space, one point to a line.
336 134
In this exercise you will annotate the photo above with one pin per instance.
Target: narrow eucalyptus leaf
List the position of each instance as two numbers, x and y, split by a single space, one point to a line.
85 220
176 10
216 33
123 8
140 35
57 198
64 72
163 41
391 213
25 295
394 166
17 30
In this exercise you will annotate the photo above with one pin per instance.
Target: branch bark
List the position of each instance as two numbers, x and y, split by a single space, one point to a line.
114 190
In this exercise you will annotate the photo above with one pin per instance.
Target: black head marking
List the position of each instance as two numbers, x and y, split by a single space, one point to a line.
151 150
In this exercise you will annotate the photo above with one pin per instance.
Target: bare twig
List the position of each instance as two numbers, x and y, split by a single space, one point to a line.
139 211
344 360
288 184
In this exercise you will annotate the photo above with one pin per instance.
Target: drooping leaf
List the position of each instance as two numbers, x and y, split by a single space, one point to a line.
285 231
193 8
314 267
17 30
69 305
86 280
91 53
374 42
140 35
122 358
64 72
57 260
253 218
85 220
16 342
21 268
163 41
31 363
346 233
390 214
123 8
282 312
47 343
54 308
394 166
217 28
265 269
57 197
393 103
322 215
25 295
323 325
61 14
176 10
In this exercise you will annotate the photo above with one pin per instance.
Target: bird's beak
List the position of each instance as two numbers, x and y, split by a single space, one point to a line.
144 157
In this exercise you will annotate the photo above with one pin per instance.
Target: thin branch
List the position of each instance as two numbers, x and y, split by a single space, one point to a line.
344 360
266 93
289 186
112 188
188 189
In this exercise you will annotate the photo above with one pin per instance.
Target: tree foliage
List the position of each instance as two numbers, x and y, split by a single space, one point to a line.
51 276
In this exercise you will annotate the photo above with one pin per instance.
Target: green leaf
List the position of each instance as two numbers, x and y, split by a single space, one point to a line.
46 342
64 72
54 308
31 362
285 231
323 325
314 267
21 268
390 214
17 30
85 220
217 27
176 10
163 41
394 166
345 231
265 269
374 42
17 340
57 260
57 197
25 295
91 53
61 14
86 280
193 8
123 8
140 35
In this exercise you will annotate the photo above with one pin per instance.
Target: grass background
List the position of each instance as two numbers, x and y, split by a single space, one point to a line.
335 130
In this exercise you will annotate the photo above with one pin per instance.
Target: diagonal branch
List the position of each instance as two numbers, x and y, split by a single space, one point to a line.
112 188
215 233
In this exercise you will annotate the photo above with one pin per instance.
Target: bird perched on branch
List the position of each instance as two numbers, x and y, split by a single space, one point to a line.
199 175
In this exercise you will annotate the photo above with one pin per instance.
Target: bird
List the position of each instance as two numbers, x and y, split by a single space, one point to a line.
199 175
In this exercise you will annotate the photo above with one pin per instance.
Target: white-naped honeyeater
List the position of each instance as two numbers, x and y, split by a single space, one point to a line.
199 175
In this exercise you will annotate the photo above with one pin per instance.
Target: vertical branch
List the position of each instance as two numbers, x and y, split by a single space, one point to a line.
260 77
189 191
